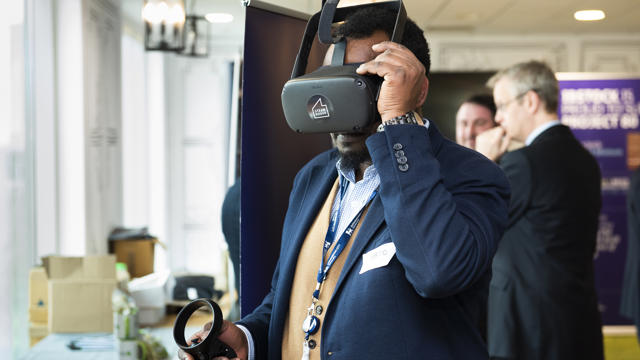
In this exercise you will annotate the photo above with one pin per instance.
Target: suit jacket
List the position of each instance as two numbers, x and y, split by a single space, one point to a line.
445 214
230 217
630 299
542 299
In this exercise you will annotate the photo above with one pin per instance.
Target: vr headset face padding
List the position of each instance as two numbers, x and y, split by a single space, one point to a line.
333 98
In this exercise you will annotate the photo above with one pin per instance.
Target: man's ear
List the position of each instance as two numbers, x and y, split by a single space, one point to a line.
532 101
423 92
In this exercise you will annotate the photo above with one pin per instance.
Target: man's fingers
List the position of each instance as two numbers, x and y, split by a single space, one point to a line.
493 135
200 335
382 46
207 326
506 141
196 337
183 355
389 64
379 68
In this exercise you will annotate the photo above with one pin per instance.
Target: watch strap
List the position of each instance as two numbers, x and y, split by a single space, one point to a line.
408 118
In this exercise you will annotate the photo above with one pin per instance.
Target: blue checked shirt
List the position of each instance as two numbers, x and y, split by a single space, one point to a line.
357 193
355 196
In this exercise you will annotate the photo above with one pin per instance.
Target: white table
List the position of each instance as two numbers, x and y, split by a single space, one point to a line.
54 346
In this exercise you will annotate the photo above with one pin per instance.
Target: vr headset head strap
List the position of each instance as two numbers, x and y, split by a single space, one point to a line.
307 41
321 23
401 19
339 50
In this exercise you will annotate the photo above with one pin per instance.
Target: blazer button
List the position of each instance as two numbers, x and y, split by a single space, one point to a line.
402 160
403 167
399 153
312 344
397 146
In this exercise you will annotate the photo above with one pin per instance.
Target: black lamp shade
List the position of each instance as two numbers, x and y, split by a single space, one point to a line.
196 35
164 22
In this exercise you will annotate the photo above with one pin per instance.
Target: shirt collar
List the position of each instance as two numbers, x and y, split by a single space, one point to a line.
539 130
350 174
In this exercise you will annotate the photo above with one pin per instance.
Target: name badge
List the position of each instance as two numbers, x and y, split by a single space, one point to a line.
378 257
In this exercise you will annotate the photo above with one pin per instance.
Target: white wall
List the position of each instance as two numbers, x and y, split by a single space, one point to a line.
563 52
101 38
16 174
88 121
70 125
198 93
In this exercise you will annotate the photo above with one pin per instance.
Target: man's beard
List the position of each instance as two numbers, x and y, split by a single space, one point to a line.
352 160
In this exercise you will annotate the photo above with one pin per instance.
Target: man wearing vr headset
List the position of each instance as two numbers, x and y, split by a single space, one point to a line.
417 218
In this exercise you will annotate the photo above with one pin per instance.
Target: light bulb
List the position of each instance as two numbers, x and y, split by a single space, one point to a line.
151 13
175 15
219 18
589 15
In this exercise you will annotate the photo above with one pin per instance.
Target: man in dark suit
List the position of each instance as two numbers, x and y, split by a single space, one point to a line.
542 299
412 281
630 298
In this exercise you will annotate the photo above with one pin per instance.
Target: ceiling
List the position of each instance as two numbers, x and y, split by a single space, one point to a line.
504 17
524 16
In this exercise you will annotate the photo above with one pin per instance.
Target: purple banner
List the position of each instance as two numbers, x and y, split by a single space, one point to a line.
603 114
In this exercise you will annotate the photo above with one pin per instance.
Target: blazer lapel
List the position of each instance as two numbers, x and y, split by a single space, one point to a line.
372 221
316 190
318 185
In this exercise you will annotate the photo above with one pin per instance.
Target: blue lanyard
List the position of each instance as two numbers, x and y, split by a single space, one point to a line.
344 238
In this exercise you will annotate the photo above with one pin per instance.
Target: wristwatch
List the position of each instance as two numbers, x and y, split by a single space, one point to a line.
408 118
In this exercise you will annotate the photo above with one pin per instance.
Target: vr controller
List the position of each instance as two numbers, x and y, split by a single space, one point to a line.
334 98
210 346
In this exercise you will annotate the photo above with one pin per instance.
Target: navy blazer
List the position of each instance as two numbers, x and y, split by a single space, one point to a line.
542 299
445 213
630 297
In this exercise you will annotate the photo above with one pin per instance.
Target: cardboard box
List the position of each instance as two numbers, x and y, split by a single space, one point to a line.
38 295
80 291
37 331
137 253
38 315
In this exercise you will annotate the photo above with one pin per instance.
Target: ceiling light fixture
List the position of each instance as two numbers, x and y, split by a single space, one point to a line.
589 15
219 18
164 24
196 37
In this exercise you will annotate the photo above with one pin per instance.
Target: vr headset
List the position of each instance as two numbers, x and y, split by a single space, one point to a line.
334 98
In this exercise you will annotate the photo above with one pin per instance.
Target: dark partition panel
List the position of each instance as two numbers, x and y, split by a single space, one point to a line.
271 152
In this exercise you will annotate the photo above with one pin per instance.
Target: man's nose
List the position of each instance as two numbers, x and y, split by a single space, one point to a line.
467 131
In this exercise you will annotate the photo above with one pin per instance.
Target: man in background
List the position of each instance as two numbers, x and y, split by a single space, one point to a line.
542 298
475 115
630 299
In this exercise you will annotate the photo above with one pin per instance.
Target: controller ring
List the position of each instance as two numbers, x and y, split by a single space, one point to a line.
210 346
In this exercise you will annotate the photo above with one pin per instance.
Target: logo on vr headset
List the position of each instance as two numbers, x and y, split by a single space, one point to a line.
319 107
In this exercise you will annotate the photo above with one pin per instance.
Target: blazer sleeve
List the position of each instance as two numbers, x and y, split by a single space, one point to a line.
517 168
258 321
446 213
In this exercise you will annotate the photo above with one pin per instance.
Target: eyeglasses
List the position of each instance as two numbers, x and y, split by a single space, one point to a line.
503 106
